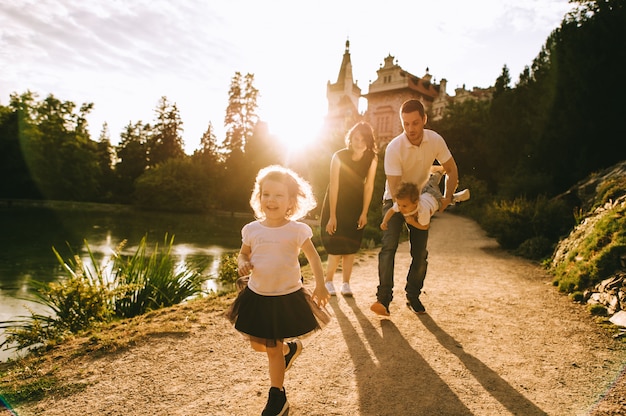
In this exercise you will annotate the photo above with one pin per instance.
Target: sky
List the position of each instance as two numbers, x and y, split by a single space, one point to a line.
124 55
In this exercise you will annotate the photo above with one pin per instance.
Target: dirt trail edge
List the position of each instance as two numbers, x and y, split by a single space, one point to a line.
498 339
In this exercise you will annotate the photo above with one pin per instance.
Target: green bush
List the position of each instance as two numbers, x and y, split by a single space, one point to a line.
597 309
227 272
512 223
151 281
93 293
535 248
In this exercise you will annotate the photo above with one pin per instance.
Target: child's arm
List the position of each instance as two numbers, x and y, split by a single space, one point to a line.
320 294
244 267
412 221
386 218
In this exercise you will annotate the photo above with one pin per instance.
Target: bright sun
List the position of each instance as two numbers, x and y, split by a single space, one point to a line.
296 129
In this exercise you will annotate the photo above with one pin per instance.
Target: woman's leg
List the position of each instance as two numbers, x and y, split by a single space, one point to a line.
331 266
346 265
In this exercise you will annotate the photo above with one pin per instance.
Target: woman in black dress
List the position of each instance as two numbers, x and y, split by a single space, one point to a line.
347 200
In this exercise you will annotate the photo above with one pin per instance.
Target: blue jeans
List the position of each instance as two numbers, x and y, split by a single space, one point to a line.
386 258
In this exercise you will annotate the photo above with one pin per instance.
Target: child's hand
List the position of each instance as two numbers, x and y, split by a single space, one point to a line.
383 226
244 268
321 295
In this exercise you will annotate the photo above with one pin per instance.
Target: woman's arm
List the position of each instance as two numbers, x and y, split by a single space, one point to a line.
333 192
368 190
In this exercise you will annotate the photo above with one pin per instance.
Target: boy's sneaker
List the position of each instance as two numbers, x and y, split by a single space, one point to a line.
415 305
277 404
330 287
345 290
461 196
380 309
295 348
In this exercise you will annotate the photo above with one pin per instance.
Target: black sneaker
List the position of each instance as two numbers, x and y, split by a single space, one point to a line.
415 305
295 348
277 404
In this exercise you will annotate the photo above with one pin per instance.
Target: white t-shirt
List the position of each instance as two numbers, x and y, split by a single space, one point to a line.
426 207
274 256
412 162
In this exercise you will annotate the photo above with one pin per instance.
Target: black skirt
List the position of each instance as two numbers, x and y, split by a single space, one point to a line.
276 317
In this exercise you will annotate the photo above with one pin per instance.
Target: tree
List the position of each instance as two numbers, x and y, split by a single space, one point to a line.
15 122
209 160
132 159
503 82
61 156
239 121
106 157
166 141
241 114
175 185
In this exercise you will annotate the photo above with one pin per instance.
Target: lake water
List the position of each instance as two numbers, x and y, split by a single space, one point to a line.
29 233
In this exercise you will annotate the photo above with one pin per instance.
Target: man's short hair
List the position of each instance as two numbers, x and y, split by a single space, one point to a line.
412 105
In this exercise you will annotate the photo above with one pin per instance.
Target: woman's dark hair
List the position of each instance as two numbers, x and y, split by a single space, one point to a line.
366 131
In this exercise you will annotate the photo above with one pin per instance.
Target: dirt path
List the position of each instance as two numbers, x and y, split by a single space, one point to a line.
498 340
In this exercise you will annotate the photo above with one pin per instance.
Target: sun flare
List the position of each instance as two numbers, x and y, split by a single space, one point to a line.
294 134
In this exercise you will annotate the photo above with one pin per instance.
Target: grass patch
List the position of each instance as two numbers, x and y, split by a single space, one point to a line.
597 256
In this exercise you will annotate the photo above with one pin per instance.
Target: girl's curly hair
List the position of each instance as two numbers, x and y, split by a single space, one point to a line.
298 189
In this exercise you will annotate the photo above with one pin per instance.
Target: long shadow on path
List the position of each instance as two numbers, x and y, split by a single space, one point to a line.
497 387
397 381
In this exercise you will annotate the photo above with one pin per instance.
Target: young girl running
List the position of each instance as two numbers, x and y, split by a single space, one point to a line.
274 305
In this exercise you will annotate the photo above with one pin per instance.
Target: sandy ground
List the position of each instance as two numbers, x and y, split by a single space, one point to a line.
498 339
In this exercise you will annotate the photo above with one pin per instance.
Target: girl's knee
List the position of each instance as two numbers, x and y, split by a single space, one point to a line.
257 346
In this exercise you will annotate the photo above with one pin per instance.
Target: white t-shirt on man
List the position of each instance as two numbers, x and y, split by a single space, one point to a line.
412 162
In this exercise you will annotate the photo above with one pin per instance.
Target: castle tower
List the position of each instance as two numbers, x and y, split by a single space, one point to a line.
343 97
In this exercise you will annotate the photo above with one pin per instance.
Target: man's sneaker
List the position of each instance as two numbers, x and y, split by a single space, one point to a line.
277 404
380 309
330 287
295 348
415 305
461 196
345 290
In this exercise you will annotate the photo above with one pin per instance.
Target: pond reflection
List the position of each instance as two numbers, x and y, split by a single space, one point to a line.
26 254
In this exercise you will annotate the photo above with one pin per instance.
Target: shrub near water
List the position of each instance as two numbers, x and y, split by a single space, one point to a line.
92 294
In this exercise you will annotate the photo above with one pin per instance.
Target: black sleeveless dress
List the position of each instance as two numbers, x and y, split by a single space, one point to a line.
352 174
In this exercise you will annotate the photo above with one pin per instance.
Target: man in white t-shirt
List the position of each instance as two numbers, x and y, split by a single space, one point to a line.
408 158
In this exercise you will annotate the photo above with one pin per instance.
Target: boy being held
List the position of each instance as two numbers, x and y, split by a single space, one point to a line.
418 207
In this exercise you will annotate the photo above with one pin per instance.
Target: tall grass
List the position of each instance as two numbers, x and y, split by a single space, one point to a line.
95 293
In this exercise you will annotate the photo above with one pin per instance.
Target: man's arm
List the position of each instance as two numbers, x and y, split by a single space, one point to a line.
394 184
452 181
